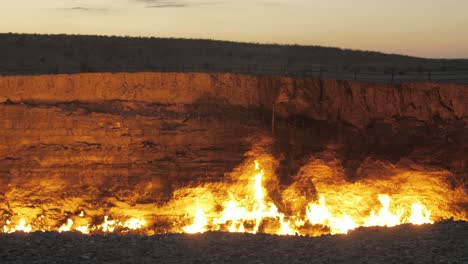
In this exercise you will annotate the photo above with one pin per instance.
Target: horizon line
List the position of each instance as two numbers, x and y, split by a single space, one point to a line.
232 41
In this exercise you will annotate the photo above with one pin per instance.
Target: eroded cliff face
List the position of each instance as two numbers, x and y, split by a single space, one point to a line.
133 139
355 103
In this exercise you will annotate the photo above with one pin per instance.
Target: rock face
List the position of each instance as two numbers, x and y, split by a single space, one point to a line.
359 104
136 137
355 103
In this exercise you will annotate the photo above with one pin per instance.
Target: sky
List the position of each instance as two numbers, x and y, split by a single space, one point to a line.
423 28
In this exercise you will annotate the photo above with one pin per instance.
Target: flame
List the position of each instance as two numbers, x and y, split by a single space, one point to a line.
83 229
67 227
320 201
285 227
199 224
384 216
419 215
134 224
108 226
253 214
236 215
20 227
318 214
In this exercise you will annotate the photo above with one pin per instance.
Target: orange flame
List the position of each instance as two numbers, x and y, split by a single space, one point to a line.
253 202
251 214
199 224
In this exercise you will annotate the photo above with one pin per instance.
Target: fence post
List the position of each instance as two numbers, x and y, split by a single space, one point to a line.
355 75
393 76
273 119
429 76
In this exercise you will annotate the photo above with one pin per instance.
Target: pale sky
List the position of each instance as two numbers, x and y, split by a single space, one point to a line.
426 28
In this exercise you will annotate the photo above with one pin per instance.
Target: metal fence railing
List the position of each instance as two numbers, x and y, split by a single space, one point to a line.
395 77
384 76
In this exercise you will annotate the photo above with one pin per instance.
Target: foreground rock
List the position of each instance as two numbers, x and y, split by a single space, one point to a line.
445 242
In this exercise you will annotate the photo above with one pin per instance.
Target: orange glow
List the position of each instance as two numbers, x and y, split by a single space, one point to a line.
199 224
251 200
342 206
20 227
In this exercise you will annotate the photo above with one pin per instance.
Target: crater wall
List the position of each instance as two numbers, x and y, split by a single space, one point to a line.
138 136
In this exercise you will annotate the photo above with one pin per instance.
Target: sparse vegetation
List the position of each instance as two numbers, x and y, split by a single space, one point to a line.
45 54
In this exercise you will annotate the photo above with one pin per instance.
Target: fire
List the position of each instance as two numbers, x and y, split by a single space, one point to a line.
107 226
83 229
20 227
66 227
419 215
134 224
199 224
251 200
318 214
252 213
256 212
386 218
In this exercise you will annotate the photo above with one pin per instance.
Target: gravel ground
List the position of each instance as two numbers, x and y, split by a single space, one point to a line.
445 242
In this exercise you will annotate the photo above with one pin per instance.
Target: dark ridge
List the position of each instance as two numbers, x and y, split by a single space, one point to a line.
29 54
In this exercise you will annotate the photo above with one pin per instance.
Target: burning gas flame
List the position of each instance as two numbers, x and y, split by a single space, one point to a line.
20 227
66 227
249 215
318 214
419 215
108 226
236 215
199 224
247 204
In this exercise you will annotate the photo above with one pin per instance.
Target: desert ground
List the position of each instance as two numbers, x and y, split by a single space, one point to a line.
445 242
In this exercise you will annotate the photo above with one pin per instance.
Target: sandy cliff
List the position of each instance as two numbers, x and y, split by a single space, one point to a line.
356 103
